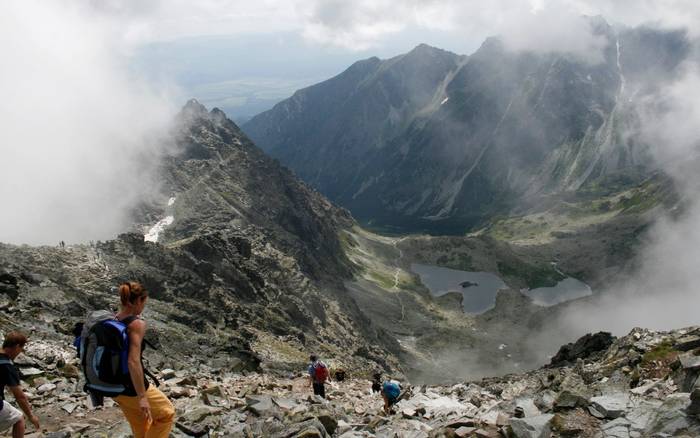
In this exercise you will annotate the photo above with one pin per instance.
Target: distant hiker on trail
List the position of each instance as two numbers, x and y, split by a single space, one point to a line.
12 346
391 393
148 411
318 374
377 382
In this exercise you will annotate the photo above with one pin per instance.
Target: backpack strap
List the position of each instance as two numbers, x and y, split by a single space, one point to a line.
150 374
128 320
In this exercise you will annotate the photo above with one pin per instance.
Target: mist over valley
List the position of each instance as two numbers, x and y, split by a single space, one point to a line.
496 206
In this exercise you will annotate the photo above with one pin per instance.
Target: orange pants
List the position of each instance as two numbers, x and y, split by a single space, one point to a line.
162 412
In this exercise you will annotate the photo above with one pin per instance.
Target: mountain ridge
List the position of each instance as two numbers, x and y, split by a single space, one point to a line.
498 129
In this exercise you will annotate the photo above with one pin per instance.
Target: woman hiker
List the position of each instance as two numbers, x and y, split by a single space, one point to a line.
148 411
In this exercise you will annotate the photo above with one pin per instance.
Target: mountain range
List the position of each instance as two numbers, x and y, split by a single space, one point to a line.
437 142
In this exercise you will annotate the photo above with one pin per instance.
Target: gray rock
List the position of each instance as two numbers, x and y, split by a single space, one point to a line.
671 417
687 343
286 404
568 399
30 372
545 400
306 429
642 413
689 361
609 406
46 387
329 422
527 406
532 427
261 405
199 413
167 374
618 428
464 431
694 407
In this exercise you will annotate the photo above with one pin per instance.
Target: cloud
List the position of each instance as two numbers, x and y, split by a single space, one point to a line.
662 293
554 29
538 25
79 135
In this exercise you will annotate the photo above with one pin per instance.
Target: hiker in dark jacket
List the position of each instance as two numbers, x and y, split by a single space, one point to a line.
12 346
318 375
377 382
148 411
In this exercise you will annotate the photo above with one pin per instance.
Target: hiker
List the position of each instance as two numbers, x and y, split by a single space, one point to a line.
377 382
391 393
318 374
12 346
148 411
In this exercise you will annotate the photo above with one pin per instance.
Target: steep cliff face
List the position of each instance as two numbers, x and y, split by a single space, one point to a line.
221 181
500 130
328 132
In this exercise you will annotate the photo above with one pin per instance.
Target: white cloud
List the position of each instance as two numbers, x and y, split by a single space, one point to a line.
556 29
360 24
78 132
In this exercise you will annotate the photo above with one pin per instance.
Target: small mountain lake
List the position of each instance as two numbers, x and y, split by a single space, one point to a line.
566 290
479 289
478 297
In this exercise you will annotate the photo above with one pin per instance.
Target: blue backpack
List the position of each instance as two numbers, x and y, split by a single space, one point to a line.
392 390
104 352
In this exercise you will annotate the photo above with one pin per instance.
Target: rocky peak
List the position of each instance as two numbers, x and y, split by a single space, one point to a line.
193 109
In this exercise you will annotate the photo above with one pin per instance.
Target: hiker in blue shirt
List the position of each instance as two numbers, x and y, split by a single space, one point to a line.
391 393
318 374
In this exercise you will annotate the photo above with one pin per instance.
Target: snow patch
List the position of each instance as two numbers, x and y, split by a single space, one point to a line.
152 234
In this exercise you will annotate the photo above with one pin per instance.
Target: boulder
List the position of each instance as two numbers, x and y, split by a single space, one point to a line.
582 348
306 429
694 407
526 405
197 414
464 431
532 427
687 343
570 400
70 371
30 372
609 406
262 405
46 387
672 419
618 428
167 374
576 423
329 422
689 361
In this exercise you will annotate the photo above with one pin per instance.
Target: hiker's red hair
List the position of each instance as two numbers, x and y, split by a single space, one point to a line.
131 291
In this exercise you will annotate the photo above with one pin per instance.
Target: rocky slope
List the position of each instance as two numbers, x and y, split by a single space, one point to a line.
644 384
246 265
493 132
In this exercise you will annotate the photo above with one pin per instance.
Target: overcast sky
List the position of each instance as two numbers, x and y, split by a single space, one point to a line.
244 56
